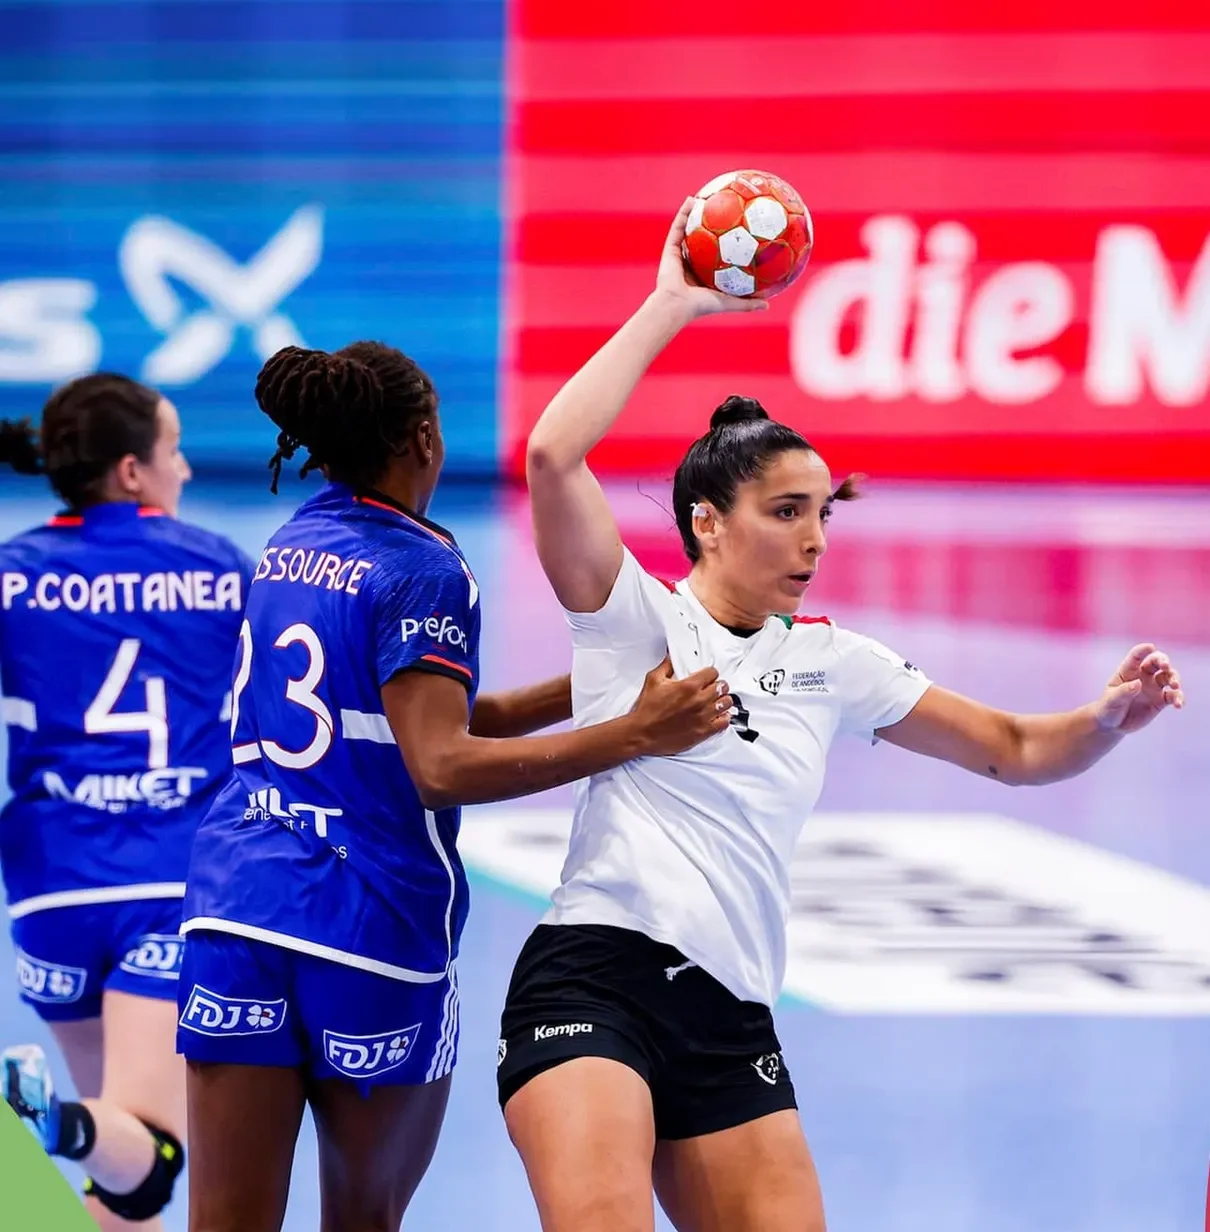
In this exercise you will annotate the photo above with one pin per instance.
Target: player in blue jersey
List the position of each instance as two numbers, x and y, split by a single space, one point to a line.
326 896
118 625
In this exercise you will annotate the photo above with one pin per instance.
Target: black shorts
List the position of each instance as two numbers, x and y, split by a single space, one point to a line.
711 1060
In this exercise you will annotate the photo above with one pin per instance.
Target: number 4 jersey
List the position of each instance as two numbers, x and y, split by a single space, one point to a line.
319 842
117 633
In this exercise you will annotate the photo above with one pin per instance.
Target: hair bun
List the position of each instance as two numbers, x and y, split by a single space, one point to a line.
735 410
19 447
344 366
309 390
327 364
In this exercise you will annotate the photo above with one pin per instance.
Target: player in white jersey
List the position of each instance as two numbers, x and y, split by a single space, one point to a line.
637 1042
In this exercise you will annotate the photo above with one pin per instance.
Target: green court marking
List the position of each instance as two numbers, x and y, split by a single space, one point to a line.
480 881
34 1194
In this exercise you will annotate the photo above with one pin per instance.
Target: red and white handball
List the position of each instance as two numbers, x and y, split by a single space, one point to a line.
749 234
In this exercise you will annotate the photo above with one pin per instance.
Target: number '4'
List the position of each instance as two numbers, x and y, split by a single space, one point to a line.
101 718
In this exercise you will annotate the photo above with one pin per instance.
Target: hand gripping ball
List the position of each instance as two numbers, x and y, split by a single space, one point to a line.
748 234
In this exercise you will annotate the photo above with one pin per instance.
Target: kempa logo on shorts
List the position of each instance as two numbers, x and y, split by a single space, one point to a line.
501 1052
563 1028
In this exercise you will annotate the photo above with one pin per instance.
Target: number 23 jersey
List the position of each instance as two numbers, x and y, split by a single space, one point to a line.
695 850
319 842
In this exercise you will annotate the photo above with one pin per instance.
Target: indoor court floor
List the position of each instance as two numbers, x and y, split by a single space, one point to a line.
998 1000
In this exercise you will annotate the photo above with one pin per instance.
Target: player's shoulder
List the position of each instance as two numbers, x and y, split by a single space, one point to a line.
865 657
30 545
411 558
199 540
378 524
657 584
812 634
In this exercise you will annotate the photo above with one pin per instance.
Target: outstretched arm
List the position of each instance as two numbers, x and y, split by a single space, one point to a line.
518 712
574 530
1040 748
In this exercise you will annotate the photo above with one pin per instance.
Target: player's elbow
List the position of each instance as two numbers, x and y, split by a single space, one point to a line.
435 794
434 776
544 456
537 460
1009 763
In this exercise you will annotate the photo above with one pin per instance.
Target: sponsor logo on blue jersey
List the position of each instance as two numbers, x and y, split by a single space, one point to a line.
444 631
360 1056
209 1013
49 982
157 955
165 789
267 805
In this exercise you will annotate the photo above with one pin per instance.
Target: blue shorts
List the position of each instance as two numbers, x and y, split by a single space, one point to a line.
68 956
247 1002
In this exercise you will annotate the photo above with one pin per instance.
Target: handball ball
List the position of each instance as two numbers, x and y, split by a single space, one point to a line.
748 234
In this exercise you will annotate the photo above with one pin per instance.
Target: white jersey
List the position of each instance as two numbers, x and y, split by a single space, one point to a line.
695 850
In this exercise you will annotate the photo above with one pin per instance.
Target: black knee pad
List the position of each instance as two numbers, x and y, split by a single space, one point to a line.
150 1198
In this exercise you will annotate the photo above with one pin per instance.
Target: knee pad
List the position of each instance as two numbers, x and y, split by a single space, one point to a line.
150 1198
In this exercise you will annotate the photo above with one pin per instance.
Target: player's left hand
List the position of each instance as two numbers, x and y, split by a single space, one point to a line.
675 280
1145 684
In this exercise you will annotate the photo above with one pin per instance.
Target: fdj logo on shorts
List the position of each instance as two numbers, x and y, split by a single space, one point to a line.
361 1056
444 632
47 982
207 1013
157 955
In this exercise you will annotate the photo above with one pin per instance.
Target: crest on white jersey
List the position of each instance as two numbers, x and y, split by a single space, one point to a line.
772 681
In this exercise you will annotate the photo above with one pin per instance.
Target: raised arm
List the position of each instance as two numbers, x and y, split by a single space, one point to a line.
1040 748
574 530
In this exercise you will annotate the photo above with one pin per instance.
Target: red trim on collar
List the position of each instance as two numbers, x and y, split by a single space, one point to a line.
365 500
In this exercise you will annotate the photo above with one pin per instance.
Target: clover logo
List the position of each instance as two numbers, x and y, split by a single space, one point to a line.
260 1016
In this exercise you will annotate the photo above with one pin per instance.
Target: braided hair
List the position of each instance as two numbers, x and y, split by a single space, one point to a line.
88 426
352 410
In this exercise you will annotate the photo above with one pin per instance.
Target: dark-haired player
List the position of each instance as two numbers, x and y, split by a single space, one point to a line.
326 897
665 944
117 628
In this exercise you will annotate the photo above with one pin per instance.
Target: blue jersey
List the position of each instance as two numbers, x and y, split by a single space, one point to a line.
118 629
320 842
